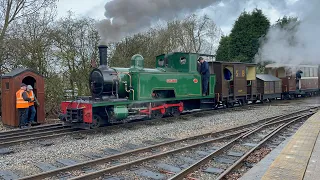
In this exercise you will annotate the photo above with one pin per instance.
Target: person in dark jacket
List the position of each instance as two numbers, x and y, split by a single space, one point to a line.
205 75
22 104
298 77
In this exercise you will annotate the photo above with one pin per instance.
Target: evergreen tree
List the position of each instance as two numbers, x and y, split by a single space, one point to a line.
223 52
243 42
287 22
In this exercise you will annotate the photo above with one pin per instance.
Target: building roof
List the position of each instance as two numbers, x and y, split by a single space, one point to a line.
267 77
278 65
17 72
231 62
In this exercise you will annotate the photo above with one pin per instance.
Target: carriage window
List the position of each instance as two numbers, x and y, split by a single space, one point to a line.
315 72
227 74
251 73
7 85
306 72
161 62
183 60
281 73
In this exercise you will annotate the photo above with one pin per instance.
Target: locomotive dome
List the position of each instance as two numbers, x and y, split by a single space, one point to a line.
137 62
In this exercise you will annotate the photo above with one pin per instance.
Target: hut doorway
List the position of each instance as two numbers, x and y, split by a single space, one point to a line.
32 81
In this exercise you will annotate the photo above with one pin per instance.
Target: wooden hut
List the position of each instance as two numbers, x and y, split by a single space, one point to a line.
10 85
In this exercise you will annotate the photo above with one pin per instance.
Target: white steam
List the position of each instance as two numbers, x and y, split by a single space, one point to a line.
301 46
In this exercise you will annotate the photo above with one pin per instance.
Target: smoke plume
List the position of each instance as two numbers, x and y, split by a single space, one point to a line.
300 46
125 17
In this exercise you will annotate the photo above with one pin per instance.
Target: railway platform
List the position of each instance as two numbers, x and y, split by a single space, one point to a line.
298 158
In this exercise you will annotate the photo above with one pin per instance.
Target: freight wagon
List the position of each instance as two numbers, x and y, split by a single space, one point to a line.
269 87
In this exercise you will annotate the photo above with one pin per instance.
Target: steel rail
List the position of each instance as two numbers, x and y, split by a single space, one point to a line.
277 130
108 158
10 143
139 161
115 169
127 153
36 134
35 128
184 173
26 132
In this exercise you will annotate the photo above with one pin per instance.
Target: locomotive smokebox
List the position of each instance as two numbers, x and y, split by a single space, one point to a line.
104 81
103 53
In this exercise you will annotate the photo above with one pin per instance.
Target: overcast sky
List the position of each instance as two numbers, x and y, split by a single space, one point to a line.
224 15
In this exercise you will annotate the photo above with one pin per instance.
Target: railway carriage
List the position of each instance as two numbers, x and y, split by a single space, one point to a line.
236 82
297 80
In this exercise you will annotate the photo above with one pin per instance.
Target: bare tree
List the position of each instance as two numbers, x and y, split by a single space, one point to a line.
192 34
11 10
30 41
76 44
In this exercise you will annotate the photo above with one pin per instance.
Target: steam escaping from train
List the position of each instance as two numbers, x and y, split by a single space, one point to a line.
125 17
298 43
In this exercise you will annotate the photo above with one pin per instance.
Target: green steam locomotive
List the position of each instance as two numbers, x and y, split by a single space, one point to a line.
124 94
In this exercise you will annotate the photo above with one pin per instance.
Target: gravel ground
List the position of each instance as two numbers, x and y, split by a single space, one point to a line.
3 128
67 147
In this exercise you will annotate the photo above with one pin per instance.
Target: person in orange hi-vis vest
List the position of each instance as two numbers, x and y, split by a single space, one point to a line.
32 109
22 104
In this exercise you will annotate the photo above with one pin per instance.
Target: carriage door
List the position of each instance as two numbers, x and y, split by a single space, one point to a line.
228 77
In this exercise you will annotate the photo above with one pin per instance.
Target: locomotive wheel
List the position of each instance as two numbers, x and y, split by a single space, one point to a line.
175 112
241 102
156 114
96 121
230 105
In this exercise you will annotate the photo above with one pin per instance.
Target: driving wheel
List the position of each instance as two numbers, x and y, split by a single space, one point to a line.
96 121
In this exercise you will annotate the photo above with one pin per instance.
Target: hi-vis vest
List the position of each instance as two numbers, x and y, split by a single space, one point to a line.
20 103
31 96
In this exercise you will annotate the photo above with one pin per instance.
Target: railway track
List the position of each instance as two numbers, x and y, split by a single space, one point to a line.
209 163
20 136
13 137
180 157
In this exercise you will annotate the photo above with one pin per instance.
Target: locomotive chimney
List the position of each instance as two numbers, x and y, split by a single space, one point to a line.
103 52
